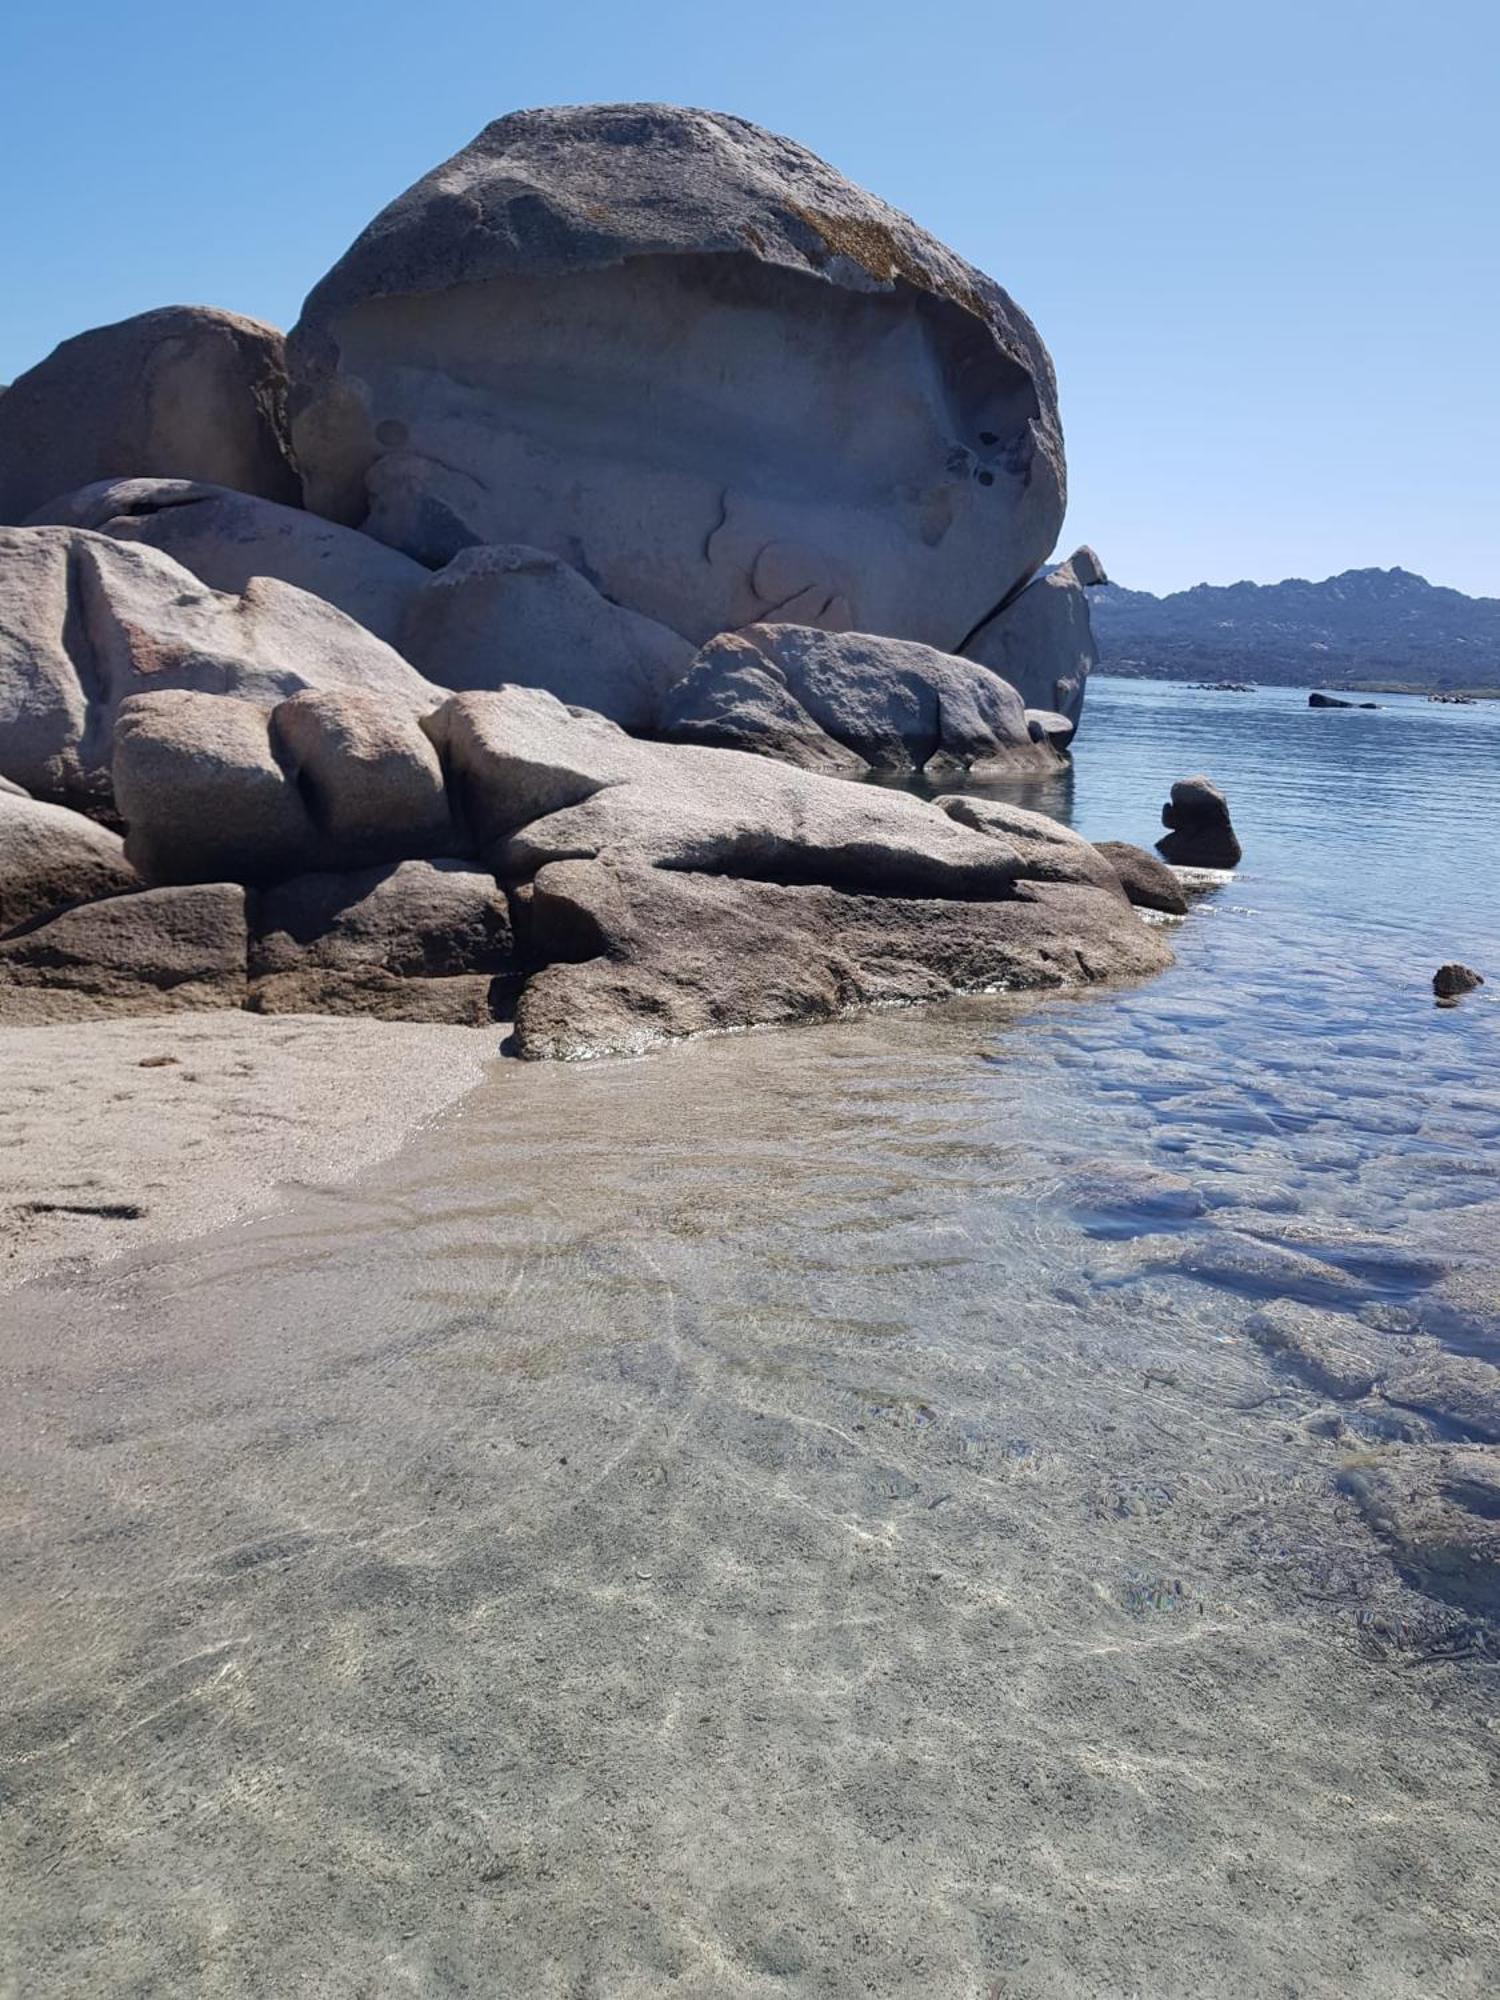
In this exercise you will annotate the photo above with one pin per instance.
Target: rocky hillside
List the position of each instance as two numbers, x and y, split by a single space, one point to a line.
1369 628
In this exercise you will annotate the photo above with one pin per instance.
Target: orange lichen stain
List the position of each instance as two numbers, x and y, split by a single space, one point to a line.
877 250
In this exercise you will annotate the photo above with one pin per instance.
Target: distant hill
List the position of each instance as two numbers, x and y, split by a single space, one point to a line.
1369 628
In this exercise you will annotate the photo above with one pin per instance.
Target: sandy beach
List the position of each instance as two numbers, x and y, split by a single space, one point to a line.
118 1134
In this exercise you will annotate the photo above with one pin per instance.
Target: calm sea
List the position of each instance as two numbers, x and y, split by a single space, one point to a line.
806 1513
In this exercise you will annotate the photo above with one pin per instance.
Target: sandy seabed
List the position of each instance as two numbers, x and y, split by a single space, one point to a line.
118 1134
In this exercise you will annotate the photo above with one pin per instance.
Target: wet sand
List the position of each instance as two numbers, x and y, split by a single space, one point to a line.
117 1134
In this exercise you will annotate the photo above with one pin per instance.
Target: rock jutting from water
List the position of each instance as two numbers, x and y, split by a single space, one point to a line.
508 638
1200 833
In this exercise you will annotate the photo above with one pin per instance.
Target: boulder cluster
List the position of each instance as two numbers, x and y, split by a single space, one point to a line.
506 640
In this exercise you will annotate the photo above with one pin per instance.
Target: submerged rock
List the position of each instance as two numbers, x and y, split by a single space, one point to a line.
1201 835
887 704
695 362
185 392
1333 1352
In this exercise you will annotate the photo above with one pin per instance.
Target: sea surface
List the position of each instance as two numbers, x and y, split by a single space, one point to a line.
810 1513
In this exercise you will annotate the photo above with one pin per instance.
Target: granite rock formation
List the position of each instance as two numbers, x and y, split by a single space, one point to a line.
185 392
628 442
888 705
694 361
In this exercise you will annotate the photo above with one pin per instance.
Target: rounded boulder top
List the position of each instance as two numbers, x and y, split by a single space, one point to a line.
821 407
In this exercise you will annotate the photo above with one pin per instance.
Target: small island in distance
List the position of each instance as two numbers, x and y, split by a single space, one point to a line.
1372 631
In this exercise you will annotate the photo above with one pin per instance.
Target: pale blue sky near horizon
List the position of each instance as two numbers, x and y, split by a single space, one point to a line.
1260 241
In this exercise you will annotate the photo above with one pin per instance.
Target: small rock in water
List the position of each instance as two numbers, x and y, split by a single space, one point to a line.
1452 979
1200 835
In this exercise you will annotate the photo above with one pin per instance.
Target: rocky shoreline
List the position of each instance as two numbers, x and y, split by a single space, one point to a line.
499 645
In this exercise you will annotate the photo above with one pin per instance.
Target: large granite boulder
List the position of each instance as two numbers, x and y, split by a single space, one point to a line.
890 704
698 364
185 392
422 941
1042 641
50 857
158 951
87 621
227 539
498 615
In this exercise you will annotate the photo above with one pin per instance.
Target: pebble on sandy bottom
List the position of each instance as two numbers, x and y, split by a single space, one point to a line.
115 1134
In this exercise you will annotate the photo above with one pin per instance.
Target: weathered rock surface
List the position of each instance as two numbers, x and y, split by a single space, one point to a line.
1332 1352
215 790
518 615
226 539
1459 1390
892 704
641 953
695 362
203 795
1042 641
185 392
369 776
157 951
50 857
422 941
1201 835
1438 1510
87 621
678 889
1149 883
734 698
1449 981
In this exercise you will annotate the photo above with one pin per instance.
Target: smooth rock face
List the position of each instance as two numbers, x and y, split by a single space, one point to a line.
892 704
50 856
185 392
226 539
423 941
156 952
695 362
1149 883
518 615
87 621
1201 835
1042 641
658 953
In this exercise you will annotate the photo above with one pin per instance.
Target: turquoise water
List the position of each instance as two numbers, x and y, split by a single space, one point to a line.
808 1513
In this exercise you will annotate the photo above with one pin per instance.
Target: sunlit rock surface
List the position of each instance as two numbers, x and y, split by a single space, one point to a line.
695 361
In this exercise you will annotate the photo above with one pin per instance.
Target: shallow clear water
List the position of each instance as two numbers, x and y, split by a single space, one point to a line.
804 1513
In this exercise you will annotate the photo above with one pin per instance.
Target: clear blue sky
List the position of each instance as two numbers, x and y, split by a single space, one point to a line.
1259 236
